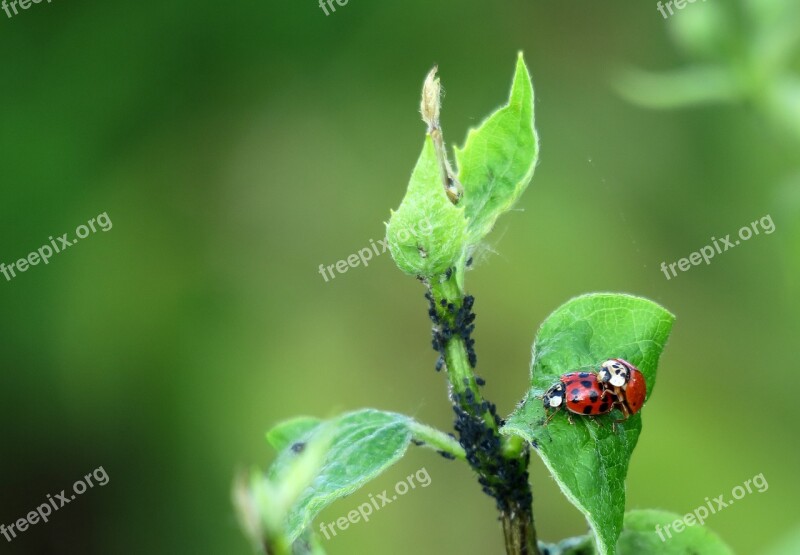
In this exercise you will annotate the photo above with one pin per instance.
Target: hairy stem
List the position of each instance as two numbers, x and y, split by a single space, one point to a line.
438 440
501 463
454 328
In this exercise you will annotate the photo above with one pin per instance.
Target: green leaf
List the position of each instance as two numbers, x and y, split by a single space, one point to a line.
680 88
589 460
288 431
641 536
361 445
263 503
426 233
498 159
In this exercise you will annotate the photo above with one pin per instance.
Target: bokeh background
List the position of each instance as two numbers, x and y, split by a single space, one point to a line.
237 146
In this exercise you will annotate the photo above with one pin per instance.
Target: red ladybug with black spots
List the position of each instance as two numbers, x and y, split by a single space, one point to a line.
626 382
580 393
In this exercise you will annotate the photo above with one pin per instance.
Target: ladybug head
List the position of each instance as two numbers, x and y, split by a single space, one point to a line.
615 371
554 397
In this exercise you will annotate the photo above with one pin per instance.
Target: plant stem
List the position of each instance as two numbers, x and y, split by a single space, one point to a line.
513 446
519 531
501 463
439 440
456 355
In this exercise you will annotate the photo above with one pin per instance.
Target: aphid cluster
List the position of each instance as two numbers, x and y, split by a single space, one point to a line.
617 384
455 322
504 479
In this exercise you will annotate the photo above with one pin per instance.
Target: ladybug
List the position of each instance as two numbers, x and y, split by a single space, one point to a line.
625 382
581 393
615 372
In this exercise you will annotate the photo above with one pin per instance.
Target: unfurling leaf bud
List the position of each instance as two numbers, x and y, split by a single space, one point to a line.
426 233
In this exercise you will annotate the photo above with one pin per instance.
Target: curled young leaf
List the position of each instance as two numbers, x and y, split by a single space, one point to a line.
498 158
426 234
283 434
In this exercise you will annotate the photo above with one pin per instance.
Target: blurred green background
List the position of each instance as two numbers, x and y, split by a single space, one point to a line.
238 146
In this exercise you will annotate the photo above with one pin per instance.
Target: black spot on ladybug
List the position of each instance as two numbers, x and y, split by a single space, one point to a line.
587 410
575 392
299 447
593 396
586 383
583 375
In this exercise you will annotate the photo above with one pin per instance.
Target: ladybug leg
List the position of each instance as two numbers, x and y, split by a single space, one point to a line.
549 418
615 394
625 413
